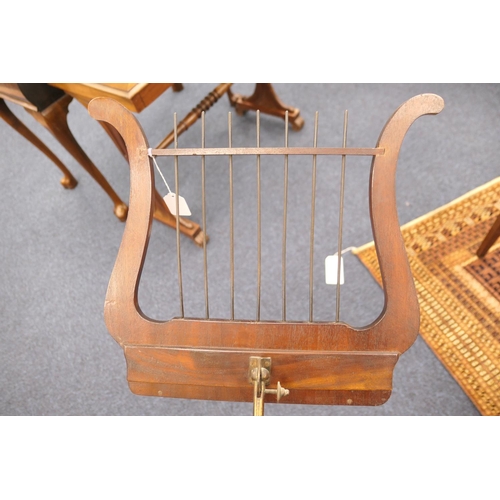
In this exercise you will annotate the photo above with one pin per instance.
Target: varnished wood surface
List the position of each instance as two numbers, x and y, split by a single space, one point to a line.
245 394
134 96
296 369
182 344
191 372
67 181
12 92
50 108
301 372
54 119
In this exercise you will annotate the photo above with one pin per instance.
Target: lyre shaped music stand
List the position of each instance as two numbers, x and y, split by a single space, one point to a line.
327 363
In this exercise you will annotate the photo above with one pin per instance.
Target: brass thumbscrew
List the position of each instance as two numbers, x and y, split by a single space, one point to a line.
279 391
264 377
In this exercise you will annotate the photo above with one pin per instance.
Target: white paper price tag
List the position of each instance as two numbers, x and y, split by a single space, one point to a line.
331 269
170 200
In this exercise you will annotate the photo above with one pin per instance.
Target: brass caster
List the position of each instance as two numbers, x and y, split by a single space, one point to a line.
239 111
68 182
298 123
198 239
121 211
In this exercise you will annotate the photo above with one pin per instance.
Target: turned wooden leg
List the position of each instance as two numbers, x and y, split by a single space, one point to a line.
192 117
490 238
54 119
68 181
265 99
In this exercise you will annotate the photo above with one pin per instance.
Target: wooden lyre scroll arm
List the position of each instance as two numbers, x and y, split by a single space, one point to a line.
401 302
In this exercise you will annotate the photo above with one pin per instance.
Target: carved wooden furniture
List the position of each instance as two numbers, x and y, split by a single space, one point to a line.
137 96
328 363
12 93
49 107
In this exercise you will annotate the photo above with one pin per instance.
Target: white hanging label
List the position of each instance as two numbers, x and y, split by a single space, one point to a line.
331 269
170 200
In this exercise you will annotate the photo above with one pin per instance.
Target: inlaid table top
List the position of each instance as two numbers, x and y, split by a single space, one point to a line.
134 96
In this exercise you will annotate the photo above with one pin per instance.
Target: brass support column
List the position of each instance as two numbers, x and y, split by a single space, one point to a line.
260 375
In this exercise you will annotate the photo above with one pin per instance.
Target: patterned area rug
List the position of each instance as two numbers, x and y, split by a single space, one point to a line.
459 294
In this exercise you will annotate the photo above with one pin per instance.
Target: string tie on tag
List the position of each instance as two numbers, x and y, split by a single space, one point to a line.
170 198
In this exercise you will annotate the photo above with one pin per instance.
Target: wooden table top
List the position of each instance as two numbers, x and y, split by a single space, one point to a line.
134 96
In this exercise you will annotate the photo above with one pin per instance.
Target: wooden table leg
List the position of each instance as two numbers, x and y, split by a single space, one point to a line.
265 99
194 115
54 119
68 181
490 238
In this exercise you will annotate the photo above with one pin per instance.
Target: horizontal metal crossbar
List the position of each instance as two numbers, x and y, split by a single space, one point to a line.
268 151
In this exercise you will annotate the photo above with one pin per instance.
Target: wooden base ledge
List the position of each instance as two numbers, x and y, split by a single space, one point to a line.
331 378
331 398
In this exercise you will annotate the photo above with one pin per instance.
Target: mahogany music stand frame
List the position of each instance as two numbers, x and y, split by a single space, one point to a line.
309 362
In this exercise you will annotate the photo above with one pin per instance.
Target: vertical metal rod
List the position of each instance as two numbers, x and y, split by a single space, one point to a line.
204 217
259 227
313 206
231 213
285 203
341 219
178 234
